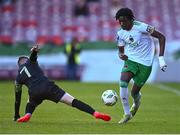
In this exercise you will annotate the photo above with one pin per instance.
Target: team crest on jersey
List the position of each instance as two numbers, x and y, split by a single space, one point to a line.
132 42
131 39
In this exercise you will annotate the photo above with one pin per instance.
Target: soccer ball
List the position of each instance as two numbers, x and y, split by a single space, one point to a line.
109 97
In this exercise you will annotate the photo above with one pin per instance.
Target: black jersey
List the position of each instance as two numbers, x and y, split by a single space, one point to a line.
30 73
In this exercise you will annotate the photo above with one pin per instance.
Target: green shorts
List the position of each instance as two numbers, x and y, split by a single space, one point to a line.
140 72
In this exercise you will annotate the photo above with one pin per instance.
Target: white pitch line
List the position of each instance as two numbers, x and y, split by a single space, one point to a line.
169 89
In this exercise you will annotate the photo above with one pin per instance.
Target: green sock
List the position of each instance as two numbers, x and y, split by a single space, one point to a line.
135 97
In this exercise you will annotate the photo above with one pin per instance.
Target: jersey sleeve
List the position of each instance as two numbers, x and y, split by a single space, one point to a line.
146 28
33 56
120 42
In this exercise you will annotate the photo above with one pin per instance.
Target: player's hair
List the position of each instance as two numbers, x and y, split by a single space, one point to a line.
125 12
22 57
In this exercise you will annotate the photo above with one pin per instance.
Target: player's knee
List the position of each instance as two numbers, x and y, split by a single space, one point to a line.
123 84
35 104
67 99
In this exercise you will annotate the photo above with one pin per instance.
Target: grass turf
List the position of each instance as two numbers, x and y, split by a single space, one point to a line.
158 113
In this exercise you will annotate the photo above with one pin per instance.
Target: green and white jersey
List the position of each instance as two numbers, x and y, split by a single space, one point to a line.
139 46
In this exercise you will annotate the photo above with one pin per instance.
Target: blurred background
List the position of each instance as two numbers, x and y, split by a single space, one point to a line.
55 23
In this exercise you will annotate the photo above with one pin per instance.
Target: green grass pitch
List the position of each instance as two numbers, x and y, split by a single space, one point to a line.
159 112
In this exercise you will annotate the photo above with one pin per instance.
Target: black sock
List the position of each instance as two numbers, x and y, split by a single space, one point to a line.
82 106
30 108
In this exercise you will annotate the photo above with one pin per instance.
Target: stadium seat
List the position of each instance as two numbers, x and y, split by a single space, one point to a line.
53 16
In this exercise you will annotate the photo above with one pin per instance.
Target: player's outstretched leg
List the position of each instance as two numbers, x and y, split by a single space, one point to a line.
102 116
25 118
86 108
68 99
136 104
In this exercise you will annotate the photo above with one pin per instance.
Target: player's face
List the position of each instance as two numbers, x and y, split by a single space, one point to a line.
125 23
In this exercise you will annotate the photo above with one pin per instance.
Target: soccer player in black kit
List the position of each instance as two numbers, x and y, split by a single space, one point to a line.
41 88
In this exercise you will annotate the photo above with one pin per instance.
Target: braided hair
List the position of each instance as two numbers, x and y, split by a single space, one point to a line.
125 12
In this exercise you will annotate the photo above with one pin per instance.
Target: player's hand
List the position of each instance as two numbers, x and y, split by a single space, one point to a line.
16 118
35 48
162 63
123 56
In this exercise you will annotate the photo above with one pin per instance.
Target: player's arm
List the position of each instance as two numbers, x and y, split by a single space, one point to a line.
18 92
121 53
162 40
154 33
33 56
121 48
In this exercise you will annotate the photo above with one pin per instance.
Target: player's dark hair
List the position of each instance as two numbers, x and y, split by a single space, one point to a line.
22 57
125 12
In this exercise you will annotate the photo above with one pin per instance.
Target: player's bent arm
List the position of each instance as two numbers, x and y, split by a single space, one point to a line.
18 92
33 56
121 53
121 49
162 41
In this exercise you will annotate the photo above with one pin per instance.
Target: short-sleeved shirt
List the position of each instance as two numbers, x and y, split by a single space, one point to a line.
139 46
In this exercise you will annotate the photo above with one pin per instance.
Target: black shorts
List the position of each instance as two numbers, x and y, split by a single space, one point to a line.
47 90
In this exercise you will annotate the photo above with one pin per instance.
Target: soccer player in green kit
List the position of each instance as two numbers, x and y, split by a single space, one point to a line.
137 49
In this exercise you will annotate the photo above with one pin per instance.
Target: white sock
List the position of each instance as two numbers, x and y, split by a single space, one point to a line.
125 100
